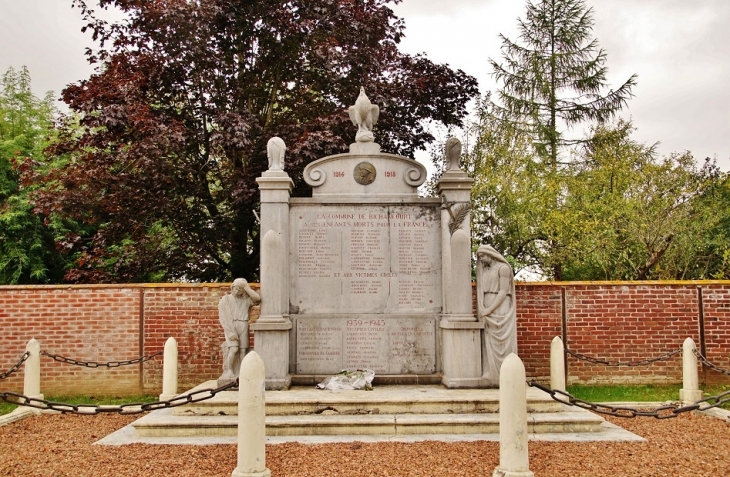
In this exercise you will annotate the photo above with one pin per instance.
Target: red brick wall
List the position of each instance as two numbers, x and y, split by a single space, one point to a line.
613 321
628 323
85 323
539 320
716 304
190 315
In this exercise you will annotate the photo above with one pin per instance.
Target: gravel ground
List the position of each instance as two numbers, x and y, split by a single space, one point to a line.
61 445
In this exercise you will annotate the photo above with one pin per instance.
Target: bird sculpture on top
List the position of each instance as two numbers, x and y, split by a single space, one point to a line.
364 115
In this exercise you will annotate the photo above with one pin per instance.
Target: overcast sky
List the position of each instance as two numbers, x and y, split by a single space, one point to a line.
680 50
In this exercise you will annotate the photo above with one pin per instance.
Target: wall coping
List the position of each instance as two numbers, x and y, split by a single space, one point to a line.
119 285
628 283
257 285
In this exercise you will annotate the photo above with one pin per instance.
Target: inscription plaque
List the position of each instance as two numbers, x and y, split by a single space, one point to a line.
365 259
385 344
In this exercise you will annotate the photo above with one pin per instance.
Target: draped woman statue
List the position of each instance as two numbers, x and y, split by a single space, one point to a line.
496 307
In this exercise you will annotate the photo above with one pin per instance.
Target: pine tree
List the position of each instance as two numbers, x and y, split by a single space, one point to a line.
555 76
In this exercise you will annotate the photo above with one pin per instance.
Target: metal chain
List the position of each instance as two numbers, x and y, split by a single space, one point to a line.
93 364
662 412
124 409
642 362
17 366
708 364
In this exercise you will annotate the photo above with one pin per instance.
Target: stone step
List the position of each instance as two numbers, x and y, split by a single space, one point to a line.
420 399
164 424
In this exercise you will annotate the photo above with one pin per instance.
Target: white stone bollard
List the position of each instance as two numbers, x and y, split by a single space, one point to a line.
513 457
557 364
251 419
169 370
32 378
690 391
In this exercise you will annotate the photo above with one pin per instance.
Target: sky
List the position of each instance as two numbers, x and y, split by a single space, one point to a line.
680 50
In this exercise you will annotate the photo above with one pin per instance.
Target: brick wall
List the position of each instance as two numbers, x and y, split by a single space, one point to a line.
539 320
625 321
85 323
716 344
190 315
628 323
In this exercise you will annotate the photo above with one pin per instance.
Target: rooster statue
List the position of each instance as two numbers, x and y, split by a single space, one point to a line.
364 115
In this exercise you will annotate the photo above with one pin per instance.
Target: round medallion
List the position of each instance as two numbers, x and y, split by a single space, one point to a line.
364 173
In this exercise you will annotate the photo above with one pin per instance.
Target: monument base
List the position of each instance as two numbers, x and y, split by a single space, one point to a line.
690 395
498 472
239 473
272 344
462 353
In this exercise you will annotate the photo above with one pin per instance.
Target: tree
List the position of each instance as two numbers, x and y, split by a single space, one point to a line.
555 77
508 196
625 214
635 216
175 122
27 249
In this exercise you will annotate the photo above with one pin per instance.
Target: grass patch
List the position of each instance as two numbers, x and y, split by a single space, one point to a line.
614 393
6 407
646 393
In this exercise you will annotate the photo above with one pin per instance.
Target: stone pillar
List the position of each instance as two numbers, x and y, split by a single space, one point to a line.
169 370
460 331
690 391
460 295
271 330
251 419
513 457
557 364
32 376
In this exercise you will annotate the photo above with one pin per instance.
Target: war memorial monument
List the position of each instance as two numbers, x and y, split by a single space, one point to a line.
367 274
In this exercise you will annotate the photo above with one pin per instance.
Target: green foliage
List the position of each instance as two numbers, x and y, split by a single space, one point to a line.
614 212
648 218
552 79
27 246
511 191
555 77
174 124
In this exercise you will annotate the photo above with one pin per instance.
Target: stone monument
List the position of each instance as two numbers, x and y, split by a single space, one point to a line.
365 273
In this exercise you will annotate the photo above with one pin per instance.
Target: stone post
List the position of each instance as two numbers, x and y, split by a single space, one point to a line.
32 377
557 364
169 370
271 330
251 419
690 391
513 457
460 331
